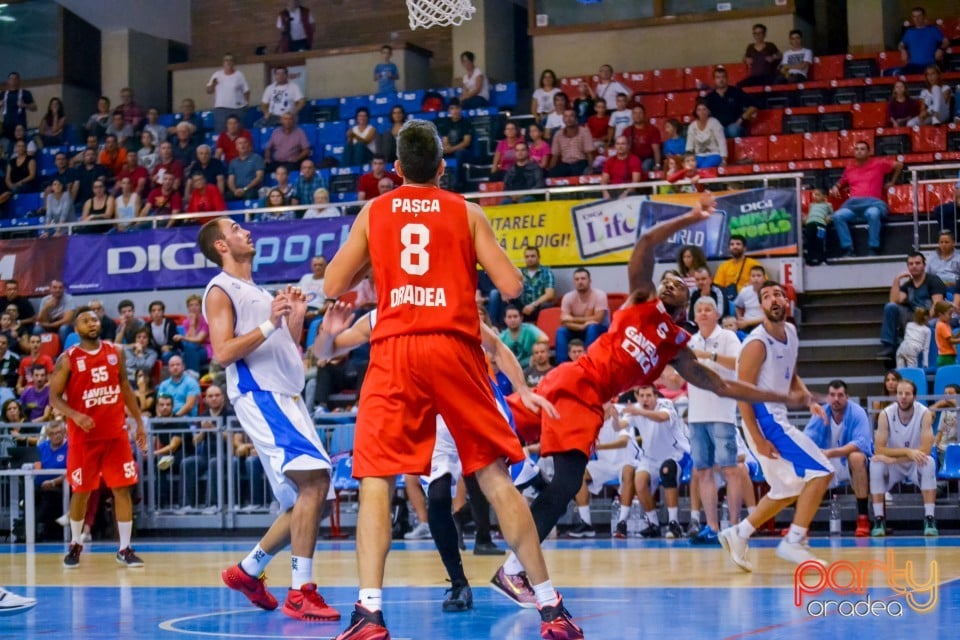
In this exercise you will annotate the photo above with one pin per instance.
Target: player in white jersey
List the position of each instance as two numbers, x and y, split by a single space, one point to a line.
255 335
663 445
338 335
902 445
793 466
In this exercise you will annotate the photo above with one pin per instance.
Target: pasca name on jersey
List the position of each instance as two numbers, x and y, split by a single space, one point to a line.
101 395
415 205
418 296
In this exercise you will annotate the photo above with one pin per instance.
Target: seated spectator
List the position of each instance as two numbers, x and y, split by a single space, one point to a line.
145 393
163 201
688 176
63 173
321 206
21 170
385 185
539 364
621 168
13 331
32 357
914 289
902 446
157 131
212 169
56 311
747 302
944 262
13 414
922 45
456 135
607 88
58 210
188 114
119 129
520 336
226 149
167 450
674 144
584 313
902 109
49 488
167 163
100 207
935 97
914 351
505 154
279 97
53 124
108 328
304 191
554 120
367 188
197 350
338 375
35 399
273 199
9 361
296 26
204 198
620 119
734 274
231 93
946 340
706 287
542 102
164 338
361 140
113 157
282 177
706 140
524 175
539 148
865 178
729 105
690 258
539 290
127 323
644 139
133 113
245 173
388 139
148 153
474 83
797 60
583 103
139 177
819 214
288 145
207 451
92 144
761 59
182 146
20 132
96 125
573 150
140 356
947 429
182 387
598 124
386 73
312 286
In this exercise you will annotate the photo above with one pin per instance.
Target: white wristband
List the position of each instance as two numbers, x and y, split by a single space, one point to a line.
267 328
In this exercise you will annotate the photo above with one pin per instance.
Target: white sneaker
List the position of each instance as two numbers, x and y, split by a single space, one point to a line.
64 520
165 462
11 604
420 532
736 547
796 552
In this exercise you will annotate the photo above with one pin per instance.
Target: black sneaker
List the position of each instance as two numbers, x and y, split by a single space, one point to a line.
582 530
693 529
674 531
459 597
365 625
621 531
651 531
72 559
129 559
487 549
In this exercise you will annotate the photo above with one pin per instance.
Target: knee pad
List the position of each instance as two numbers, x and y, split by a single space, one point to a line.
669 474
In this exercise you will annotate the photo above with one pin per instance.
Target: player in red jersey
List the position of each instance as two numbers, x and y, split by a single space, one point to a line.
423 245
642 340
90 388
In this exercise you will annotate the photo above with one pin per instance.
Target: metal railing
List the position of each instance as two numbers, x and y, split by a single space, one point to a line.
920 184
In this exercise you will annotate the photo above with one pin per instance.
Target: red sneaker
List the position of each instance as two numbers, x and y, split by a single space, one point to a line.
517 588
863 527
556 623
365 625
308 605
255 589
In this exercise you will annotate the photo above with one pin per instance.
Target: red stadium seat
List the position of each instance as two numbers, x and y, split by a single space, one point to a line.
847 140
698 77
900 199
653 104
750 150
549 321
667 80
785 148
928 139
641 81
681 103
616 300
736 72
938 194
820 145
869 115
889 60
827 68
767 122
350 297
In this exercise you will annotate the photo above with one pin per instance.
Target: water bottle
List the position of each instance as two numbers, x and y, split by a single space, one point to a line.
724 516
614 516
834 516
635 520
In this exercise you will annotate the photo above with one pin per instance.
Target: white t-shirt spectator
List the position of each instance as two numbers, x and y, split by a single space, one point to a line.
470 83
228 94
281 98
326 212
620 120
748 301
791 57
313 290
544 99
609 90
706 406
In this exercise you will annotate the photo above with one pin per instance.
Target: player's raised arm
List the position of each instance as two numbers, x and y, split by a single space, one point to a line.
491 256
352 261
640 267
228 347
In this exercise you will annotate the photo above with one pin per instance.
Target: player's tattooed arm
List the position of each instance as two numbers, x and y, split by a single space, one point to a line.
58 384
692 371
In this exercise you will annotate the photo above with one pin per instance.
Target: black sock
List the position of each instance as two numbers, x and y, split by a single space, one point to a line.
861 506
480 508
443 529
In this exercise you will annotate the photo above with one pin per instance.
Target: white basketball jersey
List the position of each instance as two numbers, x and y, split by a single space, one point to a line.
779 365
273 366
609 433
662 440
906 436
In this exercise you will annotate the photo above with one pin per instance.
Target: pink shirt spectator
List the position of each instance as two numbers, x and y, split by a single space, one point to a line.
579 306
539 151
286 147
866 180
508 154
201 327
570 149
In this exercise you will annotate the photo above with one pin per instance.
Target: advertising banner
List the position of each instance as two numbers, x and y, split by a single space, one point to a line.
33 263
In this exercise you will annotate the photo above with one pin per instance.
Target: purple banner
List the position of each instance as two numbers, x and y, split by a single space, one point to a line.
170 258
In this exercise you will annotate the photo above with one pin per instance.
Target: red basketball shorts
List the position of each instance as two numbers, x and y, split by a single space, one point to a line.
112 459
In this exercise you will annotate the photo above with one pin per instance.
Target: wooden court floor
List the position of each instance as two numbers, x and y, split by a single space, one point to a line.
615 589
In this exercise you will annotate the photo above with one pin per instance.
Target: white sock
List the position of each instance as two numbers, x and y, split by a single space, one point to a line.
624 513
584 513
796 533
512 566
256 562
745 529
76 531
125 529
371 599
301 571
878 509
673 513
546 594
695 517
750 510
652 517
928 510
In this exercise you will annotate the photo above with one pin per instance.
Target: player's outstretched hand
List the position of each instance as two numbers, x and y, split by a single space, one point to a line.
84 421
338 318
279 308
538 403
706 206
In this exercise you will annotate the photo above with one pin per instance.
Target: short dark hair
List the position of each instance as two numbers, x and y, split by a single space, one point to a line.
720 69
379 156
864 143
208 235
837 384
920 9
757 267
144 330
513 307
535 249
79 311
454 102
361 110
387 47
946 232
917 254
153 304
125 303
955 387
468 55
771 283
797 32
165 396
419 150
575 342
37 366
760 25
737 236
581 270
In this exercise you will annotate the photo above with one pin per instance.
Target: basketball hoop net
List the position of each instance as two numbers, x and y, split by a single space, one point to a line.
439 13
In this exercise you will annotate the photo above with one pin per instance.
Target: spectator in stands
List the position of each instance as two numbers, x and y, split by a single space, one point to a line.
26 314
388 139
338 375
573 150
706 287
620 119
13 414
583 313
914 351
456 134
167 163
947 429
621 168
230 91
747 303
538 147
539 364
312 286
902 109
108 328
385 185
282 178
690 258
5 196
204 198
476 87
865 178
138 176
139 355
729 105
127 323
280 97
21 170
922 45
96 125
164 338
20 133
542 103
321 206
182 387
118 128
761 59
525 174
163 201
385 73
33 356
819 214
275 198
297 28
367 188
148 153
11 330
53 124
307 184
113 157
583 103
705 138
207 452
195 344
15 103
911 290
129 202
288 145
101 206
944 262
935 97
188 114
506 152
674 143
946 213
599 124
520 336
245 174
644 139
157 130
554 120
797 60
9 361
132 112
59 210
734 274
607 88
182 146
56 311
63 173
227 141
361 140
53 455
214 171
943 333
539 290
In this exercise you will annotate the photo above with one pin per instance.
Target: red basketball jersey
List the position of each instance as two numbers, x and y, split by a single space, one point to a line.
94 389
641 342
424 264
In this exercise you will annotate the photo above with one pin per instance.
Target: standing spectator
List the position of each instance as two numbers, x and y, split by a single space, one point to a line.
573 150
231 93
21 170
308 182
734 274
921 46
132 112
367 184
297 28
361 140
865 178
796 62
113 157
539 290
542 102
644 139
167 164
385 73
706 288
505 154
621 168
914 351
140 356
761 59
944 262
705 138
819 214
212 169
607 88
96 125
946 341
15 101
935 97
245 174
163 201
902 109
128 323
747 302
197 350
583 314
583 103
118 128
280 97
56 311
539 364
388 139
476 88
288 145
539 148
554 119
522 176
674 144
456 134
227 141
729 105
183 388
519 336
59 210
137 176
100 207
204 198
911 290
53 123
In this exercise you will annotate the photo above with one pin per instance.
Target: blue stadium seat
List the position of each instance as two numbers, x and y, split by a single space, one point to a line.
25 204
947 374
951 463
349 105
206 118
260 138
381 104
934 352
332 133
381 123
46 163
344 196
31 221
481 111
167 119
504 95
341 439
411 100
310 130
333 151
917 376
312 331
72 339
343 479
